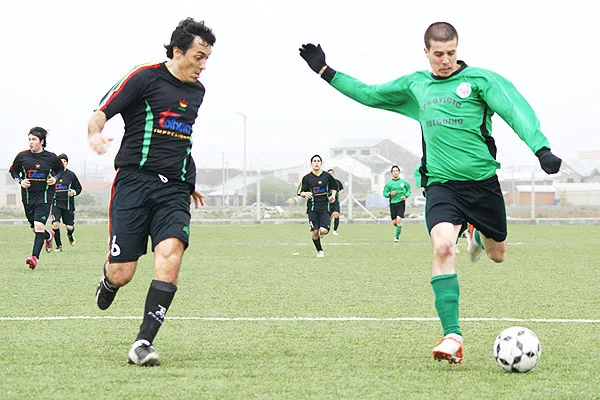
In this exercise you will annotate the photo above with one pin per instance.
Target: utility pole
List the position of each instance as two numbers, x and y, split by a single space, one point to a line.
245 191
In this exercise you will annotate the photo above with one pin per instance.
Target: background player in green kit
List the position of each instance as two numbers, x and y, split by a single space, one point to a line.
156 174
453 104
397 190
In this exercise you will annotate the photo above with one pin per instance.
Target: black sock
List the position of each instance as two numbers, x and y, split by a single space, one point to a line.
38 243
336 223
317 243
57 237
158 301
70 232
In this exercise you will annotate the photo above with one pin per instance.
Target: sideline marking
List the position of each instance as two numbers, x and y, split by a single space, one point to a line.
285 319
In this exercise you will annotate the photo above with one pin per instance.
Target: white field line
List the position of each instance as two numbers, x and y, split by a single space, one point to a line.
292 319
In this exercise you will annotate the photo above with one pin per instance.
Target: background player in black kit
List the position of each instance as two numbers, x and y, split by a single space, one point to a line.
155 174
319 189
335 206
66 189
36 171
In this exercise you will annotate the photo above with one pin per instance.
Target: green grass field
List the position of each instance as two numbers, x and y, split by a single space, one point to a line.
257 315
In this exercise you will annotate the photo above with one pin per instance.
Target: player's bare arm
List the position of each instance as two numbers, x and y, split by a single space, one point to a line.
97 140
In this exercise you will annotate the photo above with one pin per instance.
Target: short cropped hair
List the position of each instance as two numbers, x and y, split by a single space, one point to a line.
394 166
183 36
40 133
440 32
316 155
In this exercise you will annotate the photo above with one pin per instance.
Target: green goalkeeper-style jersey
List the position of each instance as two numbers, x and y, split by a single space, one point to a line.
400 186
455 114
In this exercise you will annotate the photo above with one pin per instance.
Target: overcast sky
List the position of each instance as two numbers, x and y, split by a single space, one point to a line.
61 57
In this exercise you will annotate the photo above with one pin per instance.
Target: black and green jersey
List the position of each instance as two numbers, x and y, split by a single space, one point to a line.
159 111
64 185
455 114
320 186
37 168
400 186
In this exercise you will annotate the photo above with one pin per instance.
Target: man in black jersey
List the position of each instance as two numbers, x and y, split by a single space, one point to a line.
155 176
63 208
36 171
335 206
319 190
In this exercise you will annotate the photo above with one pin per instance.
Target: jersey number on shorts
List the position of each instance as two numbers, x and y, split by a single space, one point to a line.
115 250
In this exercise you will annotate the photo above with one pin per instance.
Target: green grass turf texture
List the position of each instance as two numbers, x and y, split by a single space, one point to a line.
270 271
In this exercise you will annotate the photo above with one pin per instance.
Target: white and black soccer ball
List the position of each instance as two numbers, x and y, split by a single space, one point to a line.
517 349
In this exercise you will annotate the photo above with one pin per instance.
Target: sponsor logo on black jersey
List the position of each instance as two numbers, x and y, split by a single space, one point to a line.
35 174
319 190
168 120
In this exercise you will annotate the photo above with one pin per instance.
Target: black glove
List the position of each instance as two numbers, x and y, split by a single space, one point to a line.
313 55
548 161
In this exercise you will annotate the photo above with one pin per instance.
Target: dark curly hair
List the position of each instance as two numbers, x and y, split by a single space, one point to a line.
183 36
40 133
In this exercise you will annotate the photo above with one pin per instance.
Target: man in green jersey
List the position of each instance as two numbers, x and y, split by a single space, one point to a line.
454 104
397 190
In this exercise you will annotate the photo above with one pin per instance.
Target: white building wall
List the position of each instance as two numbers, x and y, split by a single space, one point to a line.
578 194
9 190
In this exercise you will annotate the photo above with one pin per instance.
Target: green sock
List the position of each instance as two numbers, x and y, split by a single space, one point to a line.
477 238
398 231
447 291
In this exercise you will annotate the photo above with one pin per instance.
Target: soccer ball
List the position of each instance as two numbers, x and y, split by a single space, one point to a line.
517 349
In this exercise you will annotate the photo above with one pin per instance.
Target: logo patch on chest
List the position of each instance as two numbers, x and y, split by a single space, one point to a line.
463 90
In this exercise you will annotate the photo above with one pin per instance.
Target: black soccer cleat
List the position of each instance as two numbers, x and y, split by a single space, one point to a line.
105 293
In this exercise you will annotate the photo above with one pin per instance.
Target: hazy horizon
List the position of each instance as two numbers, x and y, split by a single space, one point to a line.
65 58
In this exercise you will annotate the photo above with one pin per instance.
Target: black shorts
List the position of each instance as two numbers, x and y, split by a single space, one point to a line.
479 202
67 217
318 219
143 205
37 212
334 207
397 209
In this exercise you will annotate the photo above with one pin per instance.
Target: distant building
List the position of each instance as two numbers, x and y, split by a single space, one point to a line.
291 174
589 155
372 159
99 190
10 191
586 170
545 195
578 194
228 193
